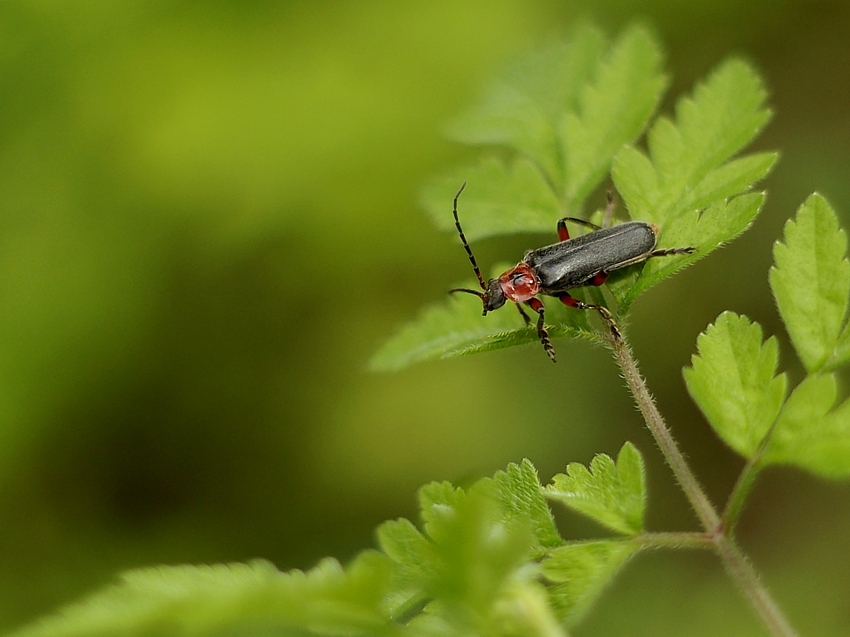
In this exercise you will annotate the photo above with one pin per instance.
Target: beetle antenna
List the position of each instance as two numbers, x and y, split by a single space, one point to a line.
480 295
466 247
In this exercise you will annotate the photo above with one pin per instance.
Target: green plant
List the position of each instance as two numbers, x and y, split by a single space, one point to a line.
489 559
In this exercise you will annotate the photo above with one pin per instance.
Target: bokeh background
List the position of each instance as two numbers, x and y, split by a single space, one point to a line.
208 222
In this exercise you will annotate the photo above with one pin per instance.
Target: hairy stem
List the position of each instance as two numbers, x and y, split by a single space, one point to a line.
674 540
733 559
742 571
705 511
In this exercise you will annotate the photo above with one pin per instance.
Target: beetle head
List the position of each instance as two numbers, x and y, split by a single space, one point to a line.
493 297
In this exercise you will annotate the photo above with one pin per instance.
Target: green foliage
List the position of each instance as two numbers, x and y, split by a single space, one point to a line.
567 115
685 183
475 562
733 378
518 492
580 571
233 599
613 108
734 381
455 328
810 433
525 107
811 284
511 198
488 560
686 167
613 494
477 556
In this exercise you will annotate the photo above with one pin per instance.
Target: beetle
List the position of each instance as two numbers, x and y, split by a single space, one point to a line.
573 262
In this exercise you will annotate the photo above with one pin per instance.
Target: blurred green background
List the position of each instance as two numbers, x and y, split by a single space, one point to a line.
208 222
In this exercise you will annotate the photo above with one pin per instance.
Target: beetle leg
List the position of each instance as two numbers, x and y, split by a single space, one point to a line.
569 301
599 278
524 315
537 305
564 234
670 251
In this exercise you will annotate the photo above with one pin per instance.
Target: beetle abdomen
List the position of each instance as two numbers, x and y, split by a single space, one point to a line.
572 263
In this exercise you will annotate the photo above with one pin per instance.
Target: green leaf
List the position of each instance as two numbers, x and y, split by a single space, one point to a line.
842 349
613 110
808 434
612 494
521 502
231 599
525 609
688 185
456 328
405 545
476 568
437 504
733 381
478 550
478 541
499 200
811 282
579 572
685 172
524 106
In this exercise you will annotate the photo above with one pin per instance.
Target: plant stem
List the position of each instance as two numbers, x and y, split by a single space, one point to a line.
742 571
730 554
675 540
705 511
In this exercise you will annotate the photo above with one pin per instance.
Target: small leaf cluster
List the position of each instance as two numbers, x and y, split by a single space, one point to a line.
487 554
563 119
734 378
488 560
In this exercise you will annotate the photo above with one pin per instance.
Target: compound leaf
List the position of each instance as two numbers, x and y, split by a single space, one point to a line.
811 283
733 381
613 494
579 573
